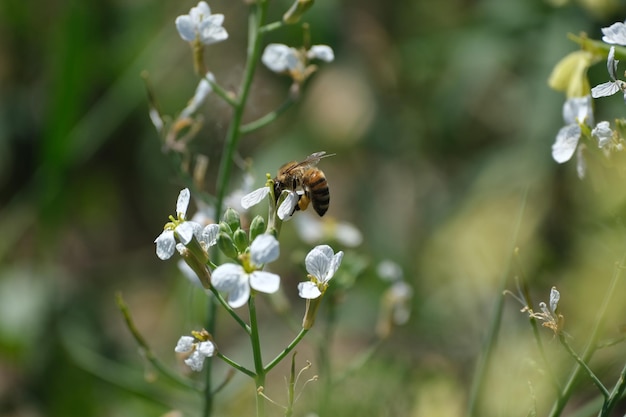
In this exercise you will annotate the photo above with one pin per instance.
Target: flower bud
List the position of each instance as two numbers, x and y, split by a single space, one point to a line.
231 218
257 227
225 228
226 245
312 305
240 239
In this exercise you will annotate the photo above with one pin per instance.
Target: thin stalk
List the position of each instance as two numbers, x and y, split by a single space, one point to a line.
235 365
286 351
143 345
255 21
230 311
267 119
590 349
208 366
259 379
585 367
615 396
494 326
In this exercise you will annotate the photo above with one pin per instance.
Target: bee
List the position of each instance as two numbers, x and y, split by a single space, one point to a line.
307 181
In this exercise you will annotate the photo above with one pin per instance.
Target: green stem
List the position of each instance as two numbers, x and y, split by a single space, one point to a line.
272 26
230 311
286 351
255 21
224 95
259 378
594 378
235 365
267 119
143 345
494 325
590 349
208 367
615 396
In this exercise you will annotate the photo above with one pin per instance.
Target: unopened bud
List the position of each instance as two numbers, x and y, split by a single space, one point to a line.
231 218
257 227
297 9
240 239
226 245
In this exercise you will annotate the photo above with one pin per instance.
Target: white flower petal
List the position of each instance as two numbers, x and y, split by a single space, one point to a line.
254 198
555 296
186 28
200 12
209 234
195 361
322 52
239 295
318 261
308 290
228 276
348 235
185 232
578 110
165 244
615 34
605 89
206 348
184 344
566 142
279 58
581 163
603 133
183 202
211 30
264 282
334 265
264 249
202 91
288 206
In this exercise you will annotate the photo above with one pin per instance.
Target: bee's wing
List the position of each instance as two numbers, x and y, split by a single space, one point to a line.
310 160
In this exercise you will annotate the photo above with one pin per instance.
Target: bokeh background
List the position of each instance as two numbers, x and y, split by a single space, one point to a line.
440 117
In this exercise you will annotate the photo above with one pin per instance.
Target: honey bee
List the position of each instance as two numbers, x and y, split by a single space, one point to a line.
307 181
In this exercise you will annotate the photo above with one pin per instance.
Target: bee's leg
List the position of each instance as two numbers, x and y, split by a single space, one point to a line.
303 202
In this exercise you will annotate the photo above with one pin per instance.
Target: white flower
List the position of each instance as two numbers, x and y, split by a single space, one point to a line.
281 59
551 319
610 87
322 52
313 230
615 34
321 264
183 231
237 280
200 351
202 25
202 91
576 111
603 133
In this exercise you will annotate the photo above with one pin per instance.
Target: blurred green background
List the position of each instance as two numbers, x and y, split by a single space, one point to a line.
440 117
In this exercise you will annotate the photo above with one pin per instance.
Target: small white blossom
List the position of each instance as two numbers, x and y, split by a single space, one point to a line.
610 87
321 264
183 230
202 25
282 59
237 281
576 111
603 133
322 52
615 34
202 91
312 229
288 205
200 351
551 319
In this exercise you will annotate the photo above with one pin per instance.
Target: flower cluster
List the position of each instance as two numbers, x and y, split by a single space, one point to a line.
577 110
284 59
197 348
548 315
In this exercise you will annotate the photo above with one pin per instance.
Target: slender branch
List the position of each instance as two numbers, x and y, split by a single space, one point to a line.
494 325
259 378
143 345
594 378
590 349
235 365
286 351
615 396
271 26
268 118
229 309
224 95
